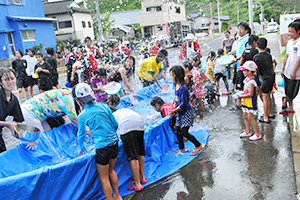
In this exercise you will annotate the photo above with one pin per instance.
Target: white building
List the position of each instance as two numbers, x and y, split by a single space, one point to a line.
73 22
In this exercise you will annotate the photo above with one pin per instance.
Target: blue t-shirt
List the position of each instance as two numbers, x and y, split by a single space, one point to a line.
241 47
101 122
182 99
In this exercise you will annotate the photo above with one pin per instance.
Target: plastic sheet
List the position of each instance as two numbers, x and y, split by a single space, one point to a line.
53 170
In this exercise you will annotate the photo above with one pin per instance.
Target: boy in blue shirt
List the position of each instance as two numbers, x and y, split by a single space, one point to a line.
103 125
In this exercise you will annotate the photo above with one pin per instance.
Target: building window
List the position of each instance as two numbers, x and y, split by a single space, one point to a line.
55 25
148 9
159 28
90 24
17 2
83 24
65 24
170 7
177 9
28 35
158 8
3 2
11 43
216 23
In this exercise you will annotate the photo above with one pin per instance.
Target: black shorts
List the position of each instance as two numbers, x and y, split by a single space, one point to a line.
220 75
54 80
267 83
133 143
291 87
31 81
22 82
104 154
240 80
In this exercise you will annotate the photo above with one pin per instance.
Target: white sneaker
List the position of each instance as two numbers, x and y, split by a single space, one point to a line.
245 134
255 137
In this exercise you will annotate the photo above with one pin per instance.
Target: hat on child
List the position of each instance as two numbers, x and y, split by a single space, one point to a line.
248 65
83 92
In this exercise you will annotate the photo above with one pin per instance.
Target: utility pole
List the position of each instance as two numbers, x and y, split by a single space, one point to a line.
99 21
237 13
219 20
250 8
211 11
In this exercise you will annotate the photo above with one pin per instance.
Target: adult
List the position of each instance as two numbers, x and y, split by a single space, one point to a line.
227 42
31 62
123 73
91 52
150 67
9 104
52 103
131 126
59 56
51 59
189 47
244 32
113 58
290 71
19 66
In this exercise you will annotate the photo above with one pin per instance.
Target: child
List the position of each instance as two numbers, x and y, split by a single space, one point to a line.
249 100
97 82
210 67
266 76
72 76
220 72
19 66
131 126
198 89
188 79
43 70
184 110
106 141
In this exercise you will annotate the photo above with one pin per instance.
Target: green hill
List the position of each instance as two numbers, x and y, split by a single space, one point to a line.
272 8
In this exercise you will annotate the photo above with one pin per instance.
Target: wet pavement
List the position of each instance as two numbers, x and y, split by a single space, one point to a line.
230 167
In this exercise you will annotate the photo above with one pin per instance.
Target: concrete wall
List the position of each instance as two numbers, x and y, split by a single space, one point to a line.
81 32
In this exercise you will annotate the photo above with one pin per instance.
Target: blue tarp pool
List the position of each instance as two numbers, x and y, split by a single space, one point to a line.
53 170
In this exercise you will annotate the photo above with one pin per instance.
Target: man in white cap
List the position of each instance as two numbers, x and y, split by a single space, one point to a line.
189 47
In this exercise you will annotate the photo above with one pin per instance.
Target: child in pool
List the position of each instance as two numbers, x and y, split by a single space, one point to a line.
97 82
184 110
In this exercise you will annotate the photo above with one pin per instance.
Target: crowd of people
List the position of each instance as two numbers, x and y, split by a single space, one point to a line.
86 102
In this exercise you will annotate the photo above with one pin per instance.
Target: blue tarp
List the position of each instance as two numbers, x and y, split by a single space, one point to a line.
53 170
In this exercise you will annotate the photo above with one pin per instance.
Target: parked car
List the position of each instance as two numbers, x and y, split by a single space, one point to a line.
272 27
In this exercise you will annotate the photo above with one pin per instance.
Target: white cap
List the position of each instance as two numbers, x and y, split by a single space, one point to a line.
83 92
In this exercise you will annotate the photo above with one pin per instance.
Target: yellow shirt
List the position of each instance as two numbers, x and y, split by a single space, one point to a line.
149 67
210 67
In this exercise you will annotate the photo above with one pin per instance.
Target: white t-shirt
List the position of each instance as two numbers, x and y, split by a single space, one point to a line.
293 50
129 120
31 62
218 67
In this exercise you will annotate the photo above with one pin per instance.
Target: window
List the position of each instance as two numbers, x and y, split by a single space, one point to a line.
65 24
159 28
148 9
17 2
55 25
177 9
28 35
158 8
170 7
11 43
3 2
90 24
83 24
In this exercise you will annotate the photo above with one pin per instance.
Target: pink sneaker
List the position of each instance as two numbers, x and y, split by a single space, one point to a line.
245 134
255 137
